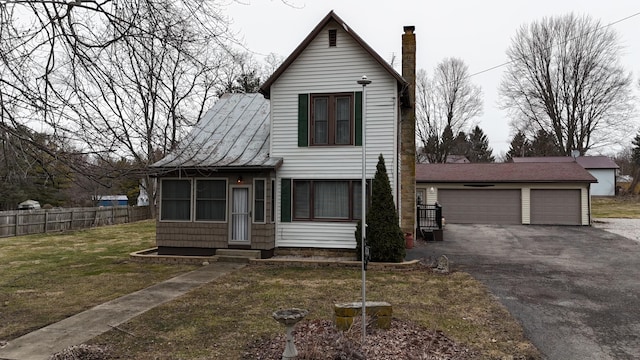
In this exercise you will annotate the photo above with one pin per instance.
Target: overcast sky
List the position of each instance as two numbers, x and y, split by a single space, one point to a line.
478 32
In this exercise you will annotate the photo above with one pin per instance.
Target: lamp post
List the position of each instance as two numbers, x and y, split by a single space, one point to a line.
363 245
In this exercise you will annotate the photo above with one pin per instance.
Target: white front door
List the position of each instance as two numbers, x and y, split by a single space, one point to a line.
240 225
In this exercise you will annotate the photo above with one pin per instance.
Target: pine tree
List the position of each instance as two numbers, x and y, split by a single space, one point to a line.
544 144
447 143
480 151
384 235
520 147
635 156
461 145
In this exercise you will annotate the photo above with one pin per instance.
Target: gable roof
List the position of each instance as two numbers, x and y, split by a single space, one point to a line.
503 173
596 162
265 89
544 159
587 162
233 134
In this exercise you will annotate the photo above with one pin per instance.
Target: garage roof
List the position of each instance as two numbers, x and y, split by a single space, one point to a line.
587 162
504 173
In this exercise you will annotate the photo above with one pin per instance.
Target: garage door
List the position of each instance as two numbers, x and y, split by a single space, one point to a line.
556 207
481 206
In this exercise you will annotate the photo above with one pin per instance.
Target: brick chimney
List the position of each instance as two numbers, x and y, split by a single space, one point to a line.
408 134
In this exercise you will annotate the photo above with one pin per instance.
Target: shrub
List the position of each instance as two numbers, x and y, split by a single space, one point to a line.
384 235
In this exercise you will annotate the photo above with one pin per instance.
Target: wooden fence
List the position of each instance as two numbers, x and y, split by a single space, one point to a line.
25 222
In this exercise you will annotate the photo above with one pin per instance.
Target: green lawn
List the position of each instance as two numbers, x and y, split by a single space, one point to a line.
219 320
616 207
45 278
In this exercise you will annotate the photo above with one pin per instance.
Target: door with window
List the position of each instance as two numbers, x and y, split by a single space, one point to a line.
240 224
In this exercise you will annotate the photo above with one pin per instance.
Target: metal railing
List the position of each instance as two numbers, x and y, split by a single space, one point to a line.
429 218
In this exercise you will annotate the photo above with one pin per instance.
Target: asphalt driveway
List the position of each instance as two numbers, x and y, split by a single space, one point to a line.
576 290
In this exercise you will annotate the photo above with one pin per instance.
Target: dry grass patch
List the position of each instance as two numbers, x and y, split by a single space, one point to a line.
221 320
47 277
625 207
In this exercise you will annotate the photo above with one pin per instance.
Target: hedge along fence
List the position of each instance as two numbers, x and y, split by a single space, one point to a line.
25 222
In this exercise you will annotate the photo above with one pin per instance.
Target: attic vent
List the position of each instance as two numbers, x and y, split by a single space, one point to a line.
333 33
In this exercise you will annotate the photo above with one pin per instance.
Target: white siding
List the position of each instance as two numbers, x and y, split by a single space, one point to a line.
526 205
586 206
316 234
324 69
606 185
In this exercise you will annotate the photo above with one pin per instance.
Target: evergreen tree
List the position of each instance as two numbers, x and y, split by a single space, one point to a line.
544 144
447 143
383 235
636 150
520 147
480 152
635 156
461 145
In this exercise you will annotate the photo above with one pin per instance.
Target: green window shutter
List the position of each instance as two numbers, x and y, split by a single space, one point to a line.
285 200
358 117
303 120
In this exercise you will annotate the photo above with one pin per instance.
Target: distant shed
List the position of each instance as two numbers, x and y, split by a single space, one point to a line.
601 167
112 200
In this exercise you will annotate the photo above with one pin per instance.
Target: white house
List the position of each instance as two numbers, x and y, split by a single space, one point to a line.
283 169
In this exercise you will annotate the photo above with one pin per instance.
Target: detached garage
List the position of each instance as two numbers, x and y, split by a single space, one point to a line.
507 193
481 206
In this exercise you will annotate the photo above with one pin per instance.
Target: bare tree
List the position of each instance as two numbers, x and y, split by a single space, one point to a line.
448 100
120 78
565 78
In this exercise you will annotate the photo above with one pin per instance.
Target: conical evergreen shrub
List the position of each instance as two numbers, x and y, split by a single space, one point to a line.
384 235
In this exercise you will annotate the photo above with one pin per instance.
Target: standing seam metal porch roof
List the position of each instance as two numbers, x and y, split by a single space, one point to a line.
233 134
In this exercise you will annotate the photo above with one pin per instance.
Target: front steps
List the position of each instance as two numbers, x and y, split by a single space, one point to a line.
237 255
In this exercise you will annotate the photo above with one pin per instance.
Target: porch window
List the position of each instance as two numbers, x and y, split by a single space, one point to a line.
327 200
176 200
272 213
211 200
259 202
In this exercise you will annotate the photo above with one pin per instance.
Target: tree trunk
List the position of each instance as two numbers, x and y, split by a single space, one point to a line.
634 182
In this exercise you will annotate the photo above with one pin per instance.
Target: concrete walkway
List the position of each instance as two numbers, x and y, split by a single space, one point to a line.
77 329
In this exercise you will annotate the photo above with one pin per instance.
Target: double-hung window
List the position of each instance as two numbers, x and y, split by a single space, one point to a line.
327 200
332 119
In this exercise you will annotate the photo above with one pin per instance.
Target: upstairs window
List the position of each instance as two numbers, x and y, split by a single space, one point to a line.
332 119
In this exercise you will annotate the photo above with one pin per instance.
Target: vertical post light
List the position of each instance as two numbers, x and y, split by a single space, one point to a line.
364 82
